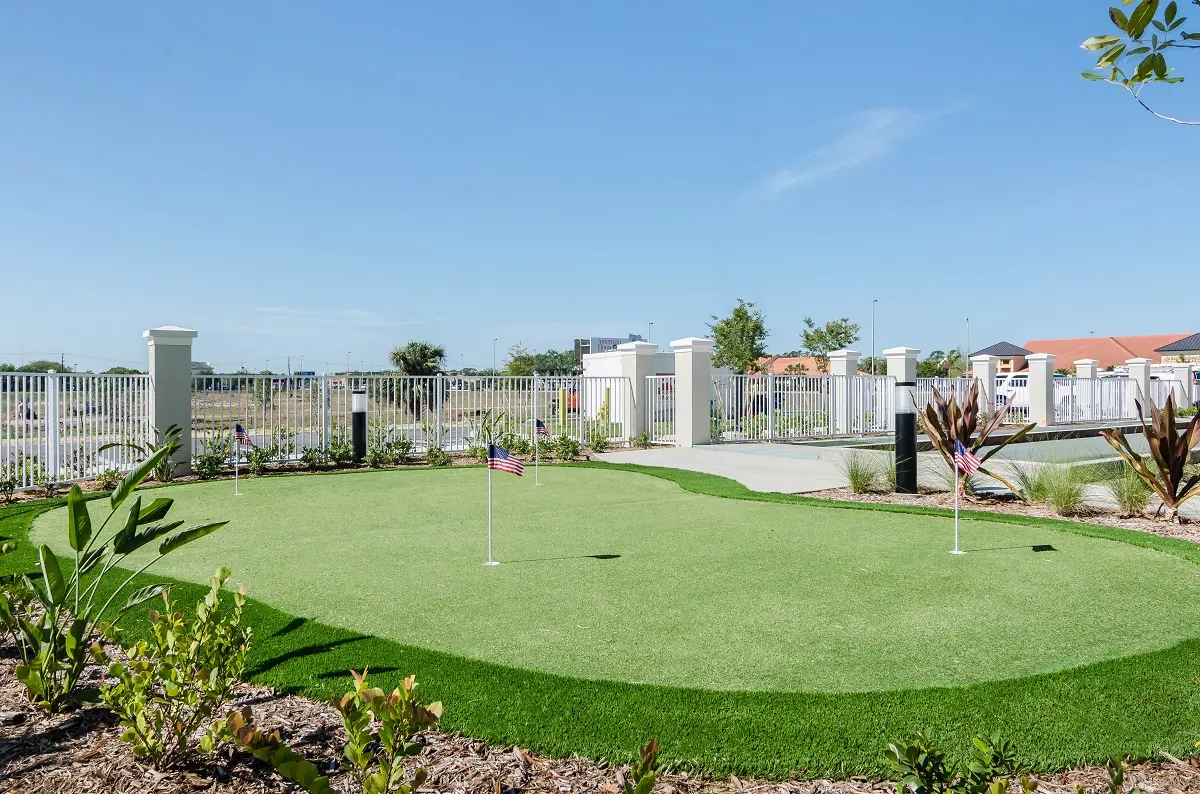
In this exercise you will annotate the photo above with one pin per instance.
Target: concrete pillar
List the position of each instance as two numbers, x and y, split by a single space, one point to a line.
1183 384
1041 387
984 369
171 386
902 365
1139 373
637 364
843 366
693 390
1087 368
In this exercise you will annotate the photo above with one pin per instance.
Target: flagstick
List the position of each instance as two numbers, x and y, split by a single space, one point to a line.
236 450
537 437
490 562
956 487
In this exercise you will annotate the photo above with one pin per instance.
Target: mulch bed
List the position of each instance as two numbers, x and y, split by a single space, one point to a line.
80 752
1006 503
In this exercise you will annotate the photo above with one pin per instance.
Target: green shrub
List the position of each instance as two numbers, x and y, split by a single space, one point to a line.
8 487
52 648
716 428
175 684
642 772
641 441
108 479
860 471
1057 485
401 450
1130 492
269 748
1187 410
923 769
211 460
1170 451
598 440
314 458
566 447
46 484
169 440
258 458
436 456
519 446
341 450
379 731
377 458
477 453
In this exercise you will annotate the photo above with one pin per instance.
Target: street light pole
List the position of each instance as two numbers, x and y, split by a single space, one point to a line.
494 341
649 330
873 302
967 352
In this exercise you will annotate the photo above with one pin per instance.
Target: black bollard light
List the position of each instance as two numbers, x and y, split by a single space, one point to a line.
358 423
902 365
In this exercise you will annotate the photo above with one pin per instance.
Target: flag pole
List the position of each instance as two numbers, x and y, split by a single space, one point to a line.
490 562
536 435
956 487
236 450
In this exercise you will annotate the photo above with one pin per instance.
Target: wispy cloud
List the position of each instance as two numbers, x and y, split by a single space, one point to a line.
869 135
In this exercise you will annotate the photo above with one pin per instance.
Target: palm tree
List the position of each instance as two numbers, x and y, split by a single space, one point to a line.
421 359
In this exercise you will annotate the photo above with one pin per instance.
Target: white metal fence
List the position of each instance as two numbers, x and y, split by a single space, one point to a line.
660 408
52 426
785 407
292 414
1094 399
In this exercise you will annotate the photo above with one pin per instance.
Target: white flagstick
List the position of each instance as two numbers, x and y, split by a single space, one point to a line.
956 486
537 437
490 562
237 448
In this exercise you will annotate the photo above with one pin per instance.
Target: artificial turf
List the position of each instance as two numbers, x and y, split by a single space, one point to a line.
1137 704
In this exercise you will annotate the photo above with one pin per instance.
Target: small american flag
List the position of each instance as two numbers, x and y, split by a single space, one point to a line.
965 459
241 436
541 429
498 459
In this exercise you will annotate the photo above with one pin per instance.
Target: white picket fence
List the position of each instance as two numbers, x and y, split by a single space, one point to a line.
1094 399
53 426
660 409
787 407
292 414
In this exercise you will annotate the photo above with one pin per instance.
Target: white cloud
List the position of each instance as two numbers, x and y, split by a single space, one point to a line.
869 135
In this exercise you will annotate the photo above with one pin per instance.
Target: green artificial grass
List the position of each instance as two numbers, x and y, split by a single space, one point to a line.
703 602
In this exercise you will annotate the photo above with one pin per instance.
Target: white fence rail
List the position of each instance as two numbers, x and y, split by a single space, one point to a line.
660 409
786 407
298 413
1094 399
52 426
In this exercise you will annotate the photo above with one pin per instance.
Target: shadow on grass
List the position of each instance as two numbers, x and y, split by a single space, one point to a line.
575 557
1037 547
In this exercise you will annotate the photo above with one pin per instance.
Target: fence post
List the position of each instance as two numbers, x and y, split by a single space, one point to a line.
1139 373
1086 368
770 407
324 412
902 365
843 366
693 387
1041 387
439 391
984 370
1183 384
637 364
171 385
53 428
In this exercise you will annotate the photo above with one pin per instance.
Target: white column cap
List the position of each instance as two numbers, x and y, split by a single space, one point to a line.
902 351
1138 361
844 353
169 335
638 347
693 344
1041 357
1086 361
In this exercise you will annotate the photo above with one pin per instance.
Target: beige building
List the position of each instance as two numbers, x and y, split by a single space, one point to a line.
1182 351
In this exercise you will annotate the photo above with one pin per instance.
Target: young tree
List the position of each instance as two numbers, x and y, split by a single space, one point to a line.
419 358
1133 61
819 341
740 338
520 362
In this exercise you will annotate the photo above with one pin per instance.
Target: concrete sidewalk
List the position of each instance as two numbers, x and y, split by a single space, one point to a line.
785 468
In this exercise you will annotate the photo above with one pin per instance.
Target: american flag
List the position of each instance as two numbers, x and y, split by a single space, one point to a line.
965 459
498 459
541 429
241 436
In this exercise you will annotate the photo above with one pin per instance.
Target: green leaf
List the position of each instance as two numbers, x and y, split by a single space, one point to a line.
157 509
1160 66
1158 25
1100 42
127 544
188 535
1091 76
134 478
1138 51
1140 18
1110 56
1119 19
79 523
143 595
1172 79
92 560
1144 69
56 586
1170 12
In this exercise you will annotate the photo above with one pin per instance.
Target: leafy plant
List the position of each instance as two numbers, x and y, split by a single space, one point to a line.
379 730
642 772
1169 452
8 487
108 479
739 339
177 680
170 440
1130 492
519 445
1065 490
566 447
716 428
1186 411
598 440
819 341
401 450
436 456
341 450
290 765
314 458
377 458
46 484
641 441
53 648
945 422
477 453
258 458
923 767
860 471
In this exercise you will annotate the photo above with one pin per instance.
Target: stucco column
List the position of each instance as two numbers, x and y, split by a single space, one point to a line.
693 390
843 366
1139 373
1041 387
1183 384
637 364
1087 368
984 369
902 365
171 386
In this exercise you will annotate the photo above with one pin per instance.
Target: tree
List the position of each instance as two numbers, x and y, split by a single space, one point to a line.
1115 63
820 341
121 371
419 358
522 362
740 338
864 365
942 364
43 365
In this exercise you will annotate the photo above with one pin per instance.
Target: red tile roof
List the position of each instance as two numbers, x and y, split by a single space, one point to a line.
777 365
1109 350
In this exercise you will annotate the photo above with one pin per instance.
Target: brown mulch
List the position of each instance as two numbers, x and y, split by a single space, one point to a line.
81 753
1013 506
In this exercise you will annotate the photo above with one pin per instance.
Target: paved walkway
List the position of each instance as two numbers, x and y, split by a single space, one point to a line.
786 468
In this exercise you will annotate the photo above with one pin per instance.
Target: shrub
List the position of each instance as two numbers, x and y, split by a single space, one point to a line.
1187 410
314 458
341 450
377 458
258 458
270 748
1130 492
642 772
860 471
176 682
169 440
519 446
641 441
108 479
923 768
436 456
716 428
8 487
379 730
477 453
1169 452
566 447
1065 490
208 465
401 450
46 484
53 647
598 440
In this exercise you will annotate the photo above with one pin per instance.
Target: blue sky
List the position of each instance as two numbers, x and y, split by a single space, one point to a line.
314 180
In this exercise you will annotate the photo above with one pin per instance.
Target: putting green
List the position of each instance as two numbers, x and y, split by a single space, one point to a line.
621 576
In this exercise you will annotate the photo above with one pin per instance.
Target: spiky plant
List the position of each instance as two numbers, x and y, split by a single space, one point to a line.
945 422
1169 450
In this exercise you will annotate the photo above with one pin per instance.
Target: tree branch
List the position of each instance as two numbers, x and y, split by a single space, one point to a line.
1135 95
